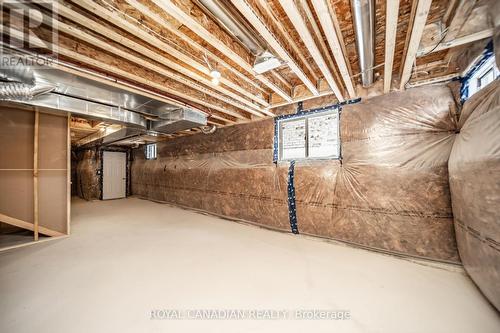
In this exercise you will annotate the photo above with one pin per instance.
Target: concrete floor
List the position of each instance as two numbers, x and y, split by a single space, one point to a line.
127 258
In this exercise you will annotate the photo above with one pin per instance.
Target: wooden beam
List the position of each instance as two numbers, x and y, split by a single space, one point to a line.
35 176
298 22
391 27
28 226
179 14
152 40
248 12
421 12
461 14
326 21
487 33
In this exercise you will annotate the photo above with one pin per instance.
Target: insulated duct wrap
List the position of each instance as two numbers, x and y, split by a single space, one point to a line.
475 189
390 192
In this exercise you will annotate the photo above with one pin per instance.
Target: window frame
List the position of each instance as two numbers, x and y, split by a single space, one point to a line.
146 151
306 115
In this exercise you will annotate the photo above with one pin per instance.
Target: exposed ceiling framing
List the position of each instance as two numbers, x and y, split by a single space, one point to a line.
170 47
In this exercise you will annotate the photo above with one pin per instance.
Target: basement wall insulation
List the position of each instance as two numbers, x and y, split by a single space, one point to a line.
475 188
389 192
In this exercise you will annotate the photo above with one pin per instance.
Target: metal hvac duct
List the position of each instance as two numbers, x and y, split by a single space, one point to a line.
226 18
364 26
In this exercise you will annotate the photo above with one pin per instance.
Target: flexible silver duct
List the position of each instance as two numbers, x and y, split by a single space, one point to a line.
208 129
364 26
14 91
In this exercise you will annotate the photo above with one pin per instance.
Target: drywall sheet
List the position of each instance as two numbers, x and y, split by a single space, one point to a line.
17 163
389 192
474 167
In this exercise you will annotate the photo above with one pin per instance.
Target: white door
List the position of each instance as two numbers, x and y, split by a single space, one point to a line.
114 177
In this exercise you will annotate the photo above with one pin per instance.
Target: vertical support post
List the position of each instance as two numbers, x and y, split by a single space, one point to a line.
35 177
68 188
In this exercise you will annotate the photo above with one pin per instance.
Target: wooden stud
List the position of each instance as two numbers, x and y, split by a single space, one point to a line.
421 13
35 176
325 18
299 24
391 26
29 226
68 177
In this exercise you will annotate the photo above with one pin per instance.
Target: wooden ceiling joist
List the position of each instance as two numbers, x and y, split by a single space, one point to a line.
179 14
234 100
248 12
276 22
391 26
462 12
487 33
138 32
146 37
298 22
326 21
419 20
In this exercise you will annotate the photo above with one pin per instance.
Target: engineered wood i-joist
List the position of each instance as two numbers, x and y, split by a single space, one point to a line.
155 41
179 14
326 21
293 13
421 12
248 12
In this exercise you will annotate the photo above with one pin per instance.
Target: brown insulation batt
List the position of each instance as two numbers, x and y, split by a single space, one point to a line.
475 188
87 178
390 192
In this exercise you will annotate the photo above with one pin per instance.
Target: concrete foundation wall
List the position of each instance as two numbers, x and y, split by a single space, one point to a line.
389 192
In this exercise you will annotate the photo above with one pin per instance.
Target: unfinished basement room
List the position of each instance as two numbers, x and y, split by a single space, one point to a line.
250 166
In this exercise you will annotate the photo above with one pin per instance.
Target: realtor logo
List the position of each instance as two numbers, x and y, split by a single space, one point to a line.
29 26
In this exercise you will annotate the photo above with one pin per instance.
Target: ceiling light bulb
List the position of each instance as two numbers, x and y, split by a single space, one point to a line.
215 81
215 74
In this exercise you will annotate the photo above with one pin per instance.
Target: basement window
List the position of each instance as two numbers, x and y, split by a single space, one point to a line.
308 135
481 72
150 151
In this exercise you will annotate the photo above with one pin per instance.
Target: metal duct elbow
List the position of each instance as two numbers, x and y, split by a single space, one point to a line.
364 26
15 91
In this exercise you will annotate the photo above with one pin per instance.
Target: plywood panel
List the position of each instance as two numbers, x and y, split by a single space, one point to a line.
16 139
52 142
16 194
52 197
